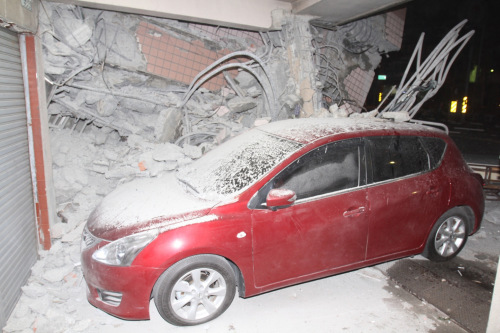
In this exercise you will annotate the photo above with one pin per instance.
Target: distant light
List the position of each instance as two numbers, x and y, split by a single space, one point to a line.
382 77
380 97
492 70
464 105
473 75
453 106
392 162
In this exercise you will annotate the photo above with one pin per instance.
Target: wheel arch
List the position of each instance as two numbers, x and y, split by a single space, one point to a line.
240 280
471 217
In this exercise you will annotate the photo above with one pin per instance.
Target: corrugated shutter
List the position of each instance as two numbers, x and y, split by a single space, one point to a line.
18 241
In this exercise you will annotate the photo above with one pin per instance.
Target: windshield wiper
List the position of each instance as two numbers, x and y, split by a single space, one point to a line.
188 185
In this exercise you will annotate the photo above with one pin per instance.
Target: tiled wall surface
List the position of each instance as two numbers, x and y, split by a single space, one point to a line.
394 26
220 33
358 83
181 60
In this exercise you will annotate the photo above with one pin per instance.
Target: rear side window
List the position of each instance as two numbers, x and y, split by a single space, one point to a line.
397 156
435 147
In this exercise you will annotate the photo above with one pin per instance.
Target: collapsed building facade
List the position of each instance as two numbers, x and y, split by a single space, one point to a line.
149 94
127 95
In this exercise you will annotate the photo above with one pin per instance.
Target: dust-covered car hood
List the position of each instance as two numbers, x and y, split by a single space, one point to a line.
145 204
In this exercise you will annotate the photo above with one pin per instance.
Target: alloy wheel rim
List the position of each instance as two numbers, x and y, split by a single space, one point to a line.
450 236
198 294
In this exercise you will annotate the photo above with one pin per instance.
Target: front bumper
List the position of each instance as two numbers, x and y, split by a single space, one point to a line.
123 292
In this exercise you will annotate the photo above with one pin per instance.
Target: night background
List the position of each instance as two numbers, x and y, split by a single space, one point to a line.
476 131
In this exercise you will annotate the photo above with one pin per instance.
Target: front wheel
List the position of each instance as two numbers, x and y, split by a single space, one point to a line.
448 236
195 290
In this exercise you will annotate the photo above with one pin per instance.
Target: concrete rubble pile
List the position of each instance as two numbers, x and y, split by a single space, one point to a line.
111 121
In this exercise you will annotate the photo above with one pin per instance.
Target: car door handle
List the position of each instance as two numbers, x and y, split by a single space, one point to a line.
354 212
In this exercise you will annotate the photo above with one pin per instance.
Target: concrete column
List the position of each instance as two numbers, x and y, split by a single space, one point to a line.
301 60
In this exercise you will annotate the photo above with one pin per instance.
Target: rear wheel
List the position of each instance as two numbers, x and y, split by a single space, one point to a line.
448 236
195 290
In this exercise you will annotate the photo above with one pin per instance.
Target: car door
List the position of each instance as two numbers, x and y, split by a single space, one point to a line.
406 195
326 226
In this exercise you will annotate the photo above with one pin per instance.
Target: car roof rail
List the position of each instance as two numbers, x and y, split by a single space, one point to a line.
432 124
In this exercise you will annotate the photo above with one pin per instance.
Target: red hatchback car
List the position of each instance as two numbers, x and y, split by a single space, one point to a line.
281 204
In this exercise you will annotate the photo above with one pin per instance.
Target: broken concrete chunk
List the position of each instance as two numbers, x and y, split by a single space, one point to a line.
75 33
248 120
40 304
57 274
184 161
170 165
100 138
193 152
135 141
227 92
21 309
100 169
322 113
19 325
94 97
167 152
107 106
121 172
82 325
101 163
34 290
57 230
155 169
167 127
72 237
397 116
75 175
115 155
254 92
371 114
64 149
245 80
240 104
137 105
59 159
222 110
338 112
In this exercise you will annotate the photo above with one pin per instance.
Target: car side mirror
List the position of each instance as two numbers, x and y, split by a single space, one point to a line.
280 198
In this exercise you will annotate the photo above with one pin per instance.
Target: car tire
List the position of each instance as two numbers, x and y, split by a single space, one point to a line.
195 290
448 236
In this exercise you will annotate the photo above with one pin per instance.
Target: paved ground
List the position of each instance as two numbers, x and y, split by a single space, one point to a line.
460 288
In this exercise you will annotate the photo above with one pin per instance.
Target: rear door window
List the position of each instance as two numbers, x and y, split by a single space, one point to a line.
397 156
435 147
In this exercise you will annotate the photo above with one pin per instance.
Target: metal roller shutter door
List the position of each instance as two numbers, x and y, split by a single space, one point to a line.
18 241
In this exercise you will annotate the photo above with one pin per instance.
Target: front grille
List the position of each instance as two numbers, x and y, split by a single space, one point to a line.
88 239
110 297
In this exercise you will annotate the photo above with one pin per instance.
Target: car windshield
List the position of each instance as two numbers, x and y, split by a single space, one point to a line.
236 164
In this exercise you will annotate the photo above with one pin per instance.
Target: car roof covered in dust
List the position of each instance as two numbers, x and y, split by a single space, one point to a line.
307 130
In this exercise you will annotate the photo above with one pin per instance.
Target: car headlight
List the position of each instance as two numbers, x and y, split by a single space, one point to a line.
123 251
